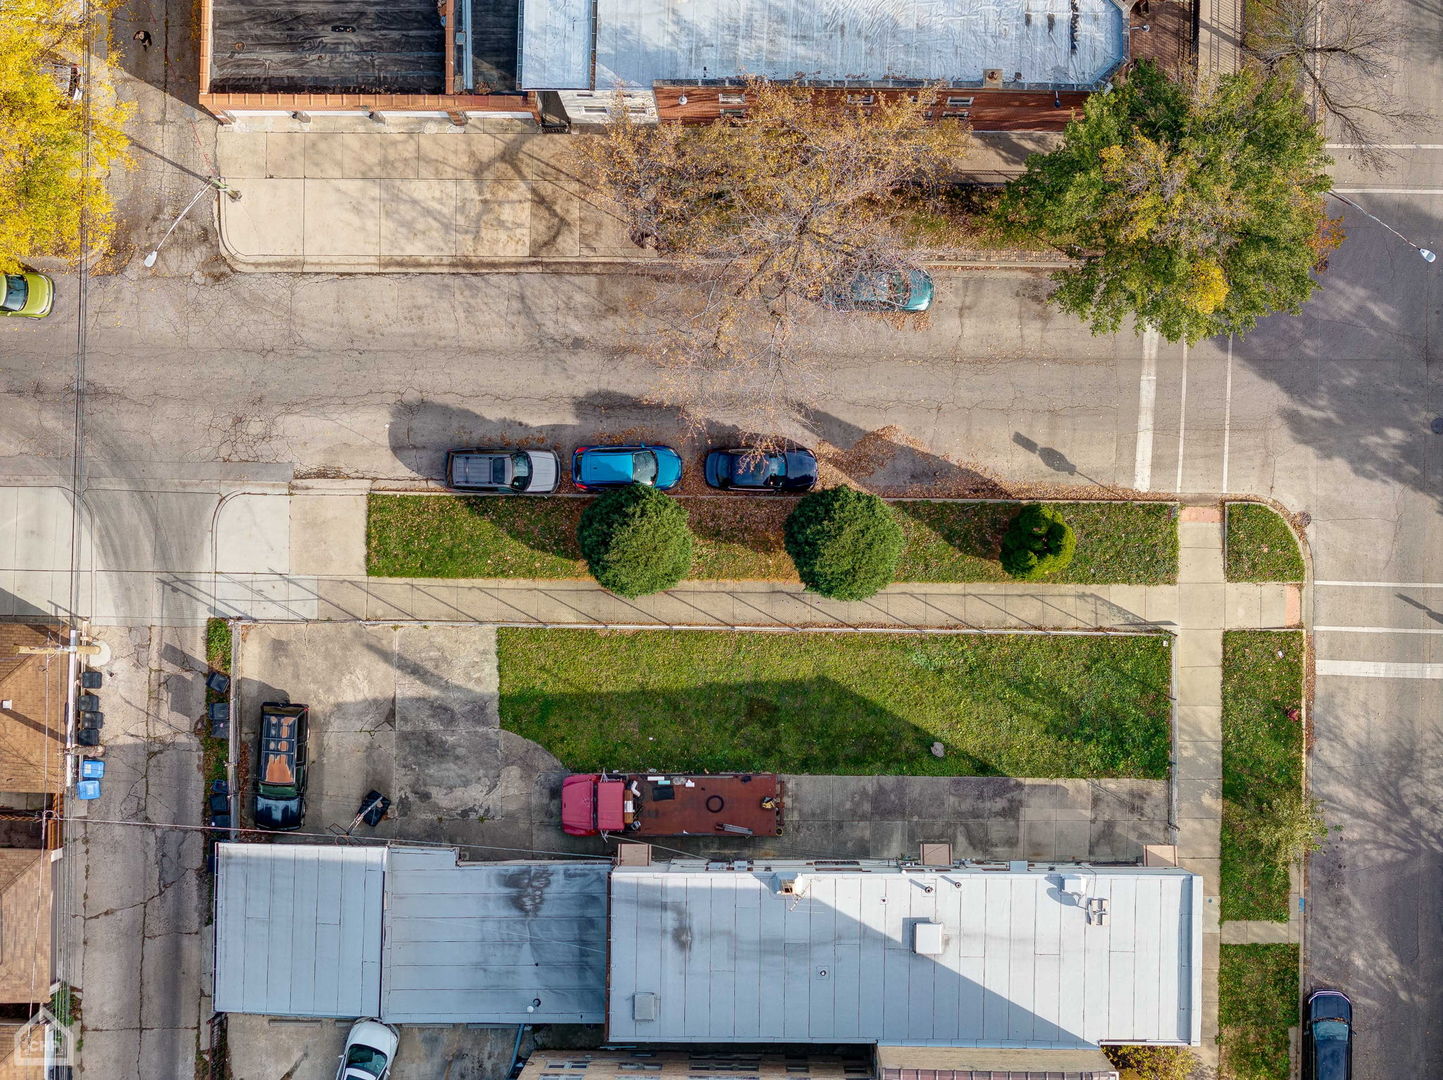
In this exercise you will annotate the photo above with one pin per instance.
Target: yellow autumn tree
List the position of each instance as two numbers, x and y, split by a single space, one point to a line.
55 152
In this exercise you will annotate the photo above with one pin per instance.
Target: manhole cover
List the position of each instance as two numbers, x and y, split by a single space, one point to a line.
1438 425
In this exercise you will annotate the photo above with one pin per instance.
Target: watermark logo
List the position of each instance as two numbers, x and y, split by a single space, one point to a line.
43 1042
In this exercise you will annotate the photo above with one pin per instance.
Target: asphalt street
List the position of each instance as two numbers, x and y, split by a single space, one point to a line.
201 383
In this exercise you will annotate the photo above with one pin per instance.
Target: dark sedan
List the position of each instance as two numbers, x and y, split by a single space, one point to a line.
748 470
1328 1036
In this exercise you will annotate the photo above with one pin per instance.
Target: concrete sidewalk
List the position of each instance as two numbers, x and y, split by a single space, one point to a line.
348 195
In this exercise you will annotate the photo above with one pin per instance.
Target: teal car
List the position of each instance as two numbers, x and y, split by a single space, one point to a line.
884 290
29 295
596 468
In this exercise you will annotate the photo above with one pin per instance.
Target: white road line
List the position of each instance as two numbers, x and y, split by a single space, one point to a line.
1389 191
1181 418
1379 584
1377 630
1227 415
1384 146
1146 404
1380 669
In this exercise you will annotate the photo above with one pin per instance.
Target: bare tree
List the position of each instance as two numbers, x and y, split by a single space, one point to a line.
1344 54
761 221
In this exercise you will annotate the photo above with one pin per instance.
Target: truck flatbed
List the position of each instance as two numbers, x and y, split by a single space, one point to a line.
666 804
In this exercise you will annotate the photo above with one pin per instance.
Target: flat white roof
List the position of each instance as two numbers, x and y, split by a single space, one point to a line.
737 955
639 42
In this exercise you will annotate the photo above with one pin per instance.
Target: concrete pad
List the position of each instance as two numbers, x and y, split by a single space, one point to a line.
267 221
1039 840
253 535
445 155
261 1048
40 524
1200 686
341 217
1199 760
1200 565
603 233
325 156
1200 799
493 218
1200 606
1192 533
1273 606
1162 608
1198 838
1131 599
1244 606
1199 721
384 155
328 534
1199 649
555 229
1073 840
241 155
285 155
418 217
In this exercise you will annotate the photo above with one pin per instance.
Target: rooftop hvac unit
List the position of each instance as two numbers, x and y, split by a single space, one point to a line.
927 938
643 1006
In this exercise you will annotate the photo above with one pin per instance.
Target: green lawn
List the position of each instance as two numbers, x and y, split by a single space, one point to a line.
1262 757
1257 1002
1261 545
1013 705
741 539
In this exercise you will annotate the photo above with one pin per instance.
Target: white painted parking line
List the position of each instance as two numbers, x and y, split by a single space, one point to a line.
1380 669
1379 584
1146 405
1378 630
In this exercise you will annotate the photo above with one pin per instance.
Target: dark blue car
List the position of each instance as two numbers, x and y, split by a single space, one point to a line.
1328 1036
747 470
595 468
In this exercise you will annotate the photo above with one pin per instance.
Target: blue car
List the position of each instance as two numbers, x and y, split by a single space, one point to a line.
595 468
1328 1036
883 290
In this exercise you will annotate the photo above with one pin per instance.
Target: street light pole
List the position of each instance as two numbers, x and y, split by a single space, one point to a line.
214 182
1428 256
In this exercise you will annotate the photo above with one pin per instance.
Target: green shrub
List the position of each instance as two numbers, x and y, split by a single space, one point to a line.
635 540
845 543
1037 543
1152 1062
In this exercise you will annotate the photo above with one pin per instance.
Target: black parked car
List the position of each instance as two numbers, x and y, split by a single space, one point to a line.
746 470
1328 1036
282 766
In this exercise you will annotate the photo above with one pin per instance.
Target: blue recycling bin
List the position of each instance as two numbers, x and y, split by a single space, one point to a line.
87 789
91 768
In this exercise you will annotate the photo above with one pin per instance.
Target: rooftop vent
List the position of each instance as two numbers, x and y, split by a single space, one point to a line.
992 77
927 938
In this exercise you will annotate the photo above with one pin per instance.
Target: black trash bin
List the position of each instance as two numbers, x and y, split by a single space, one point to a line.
217 683
90 680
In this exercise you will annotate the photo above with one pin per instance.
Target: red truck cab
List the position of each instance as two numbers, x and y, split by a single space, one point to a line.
591 804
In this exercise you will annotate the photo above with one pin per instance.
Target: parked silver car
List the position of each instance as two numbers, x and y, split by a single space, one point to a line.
503 471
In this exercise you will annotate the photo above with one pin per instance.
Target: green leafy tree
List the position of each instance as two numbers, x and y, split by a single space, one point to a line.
845 543
635 540
1194 211
1291 826
1037 543
54 153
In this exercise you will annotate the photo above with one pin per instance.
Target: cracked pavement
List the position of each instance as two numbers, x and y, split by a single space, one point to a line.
137 897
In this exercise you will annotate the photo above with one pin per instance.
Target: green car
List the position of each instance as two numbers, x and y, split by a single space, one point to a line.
30 295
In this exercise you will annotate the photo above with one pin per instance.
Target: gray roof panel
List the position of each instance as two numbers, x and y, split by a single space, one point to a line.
480 942
298 929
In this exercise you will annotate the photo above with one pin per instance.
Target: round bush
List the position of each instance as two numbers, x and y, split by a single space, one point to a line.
845 543
635 540
1037 543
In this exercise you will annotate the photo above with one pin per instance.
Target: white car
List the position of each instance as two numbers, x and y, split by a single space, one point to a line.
369 1049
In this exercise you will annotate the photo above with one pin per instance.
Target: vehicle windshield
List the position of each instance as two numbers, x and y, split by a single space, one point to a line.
521 471
758 471
366 1059
1325 1030
15 293
643 467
